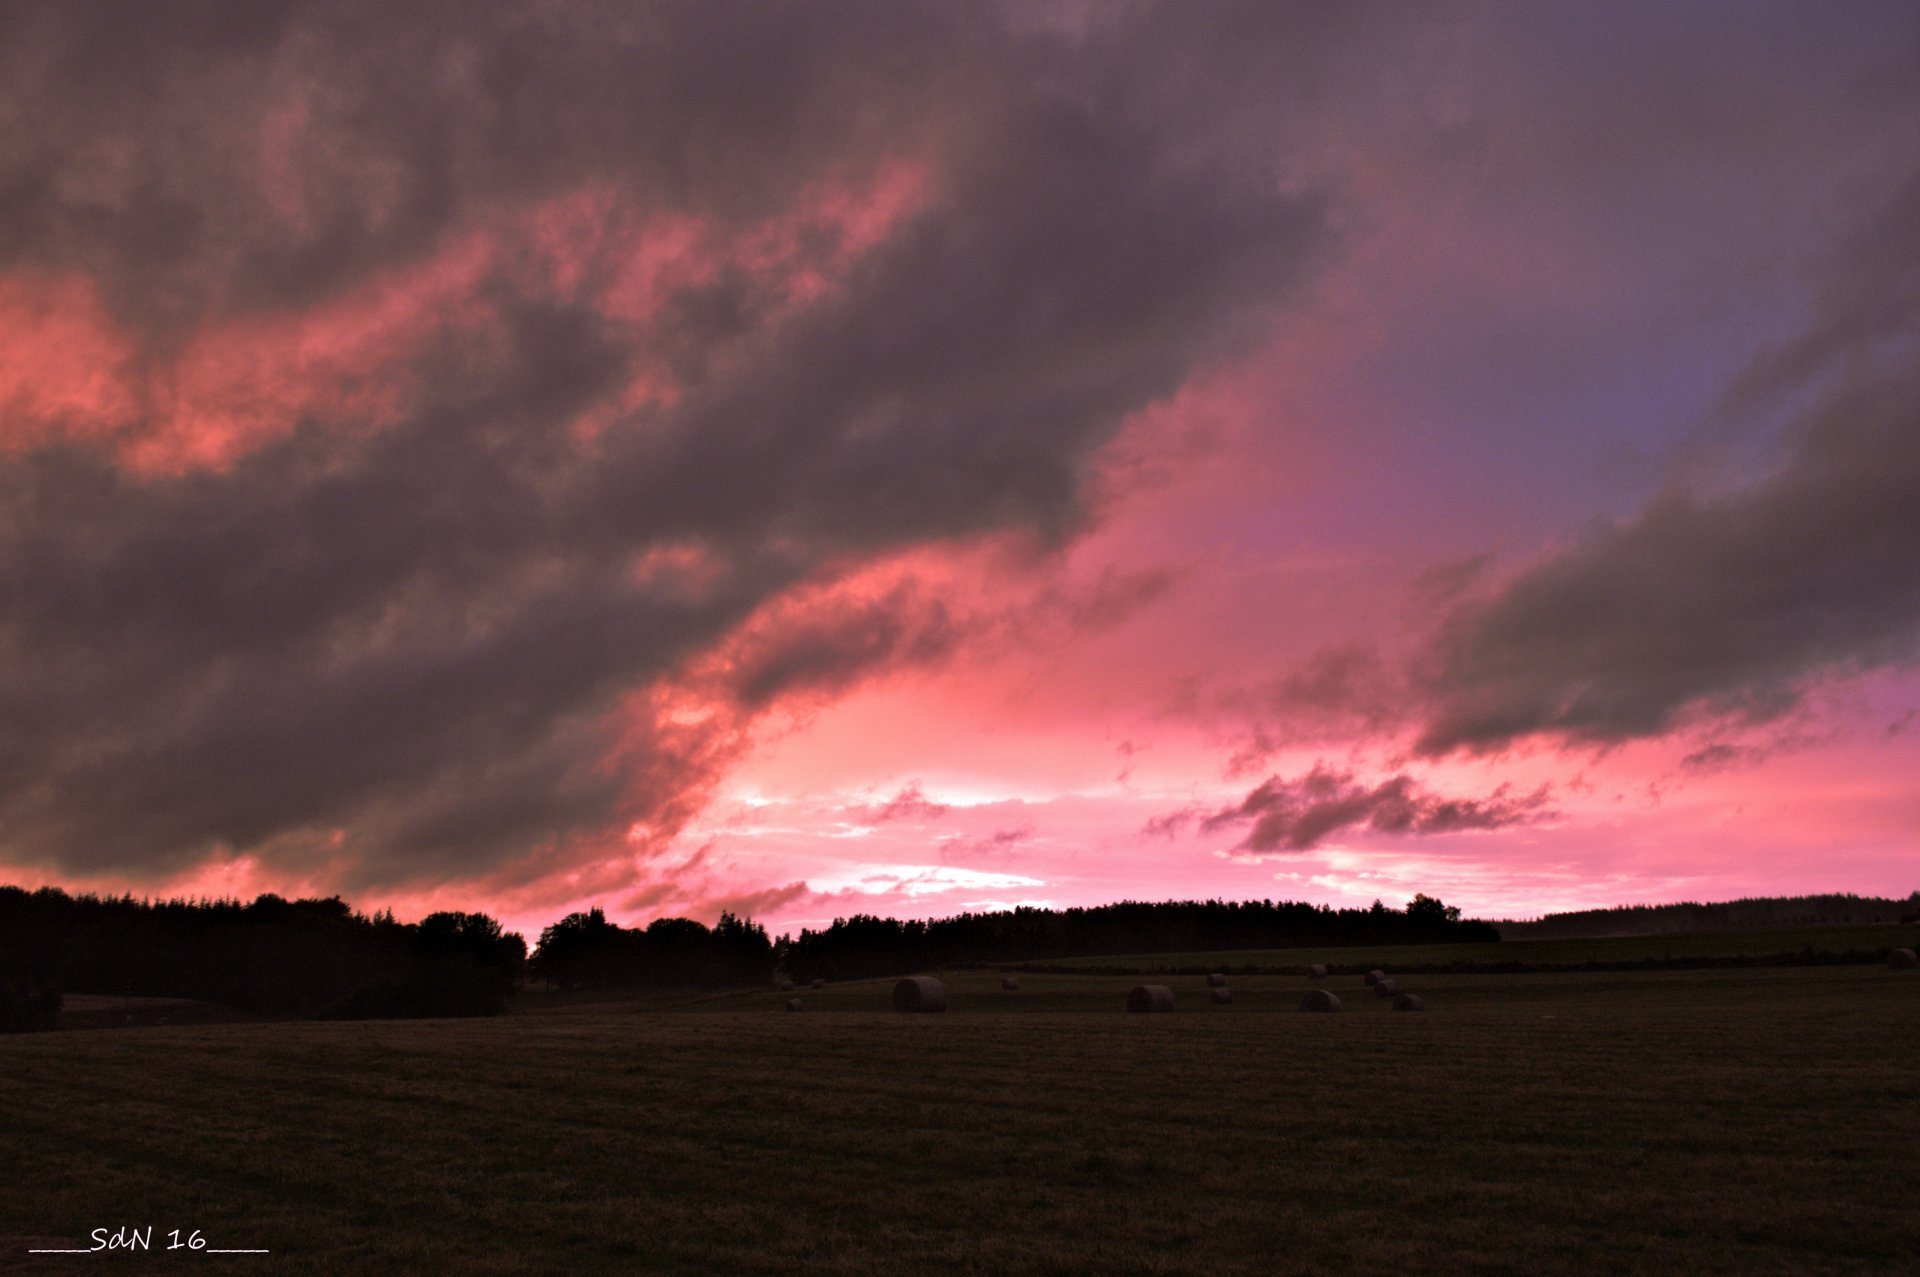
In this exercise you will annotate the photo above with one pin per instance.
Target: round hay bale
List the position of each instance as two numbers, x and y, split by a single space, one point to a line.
783 983
1375 976
1385 987
1409 1002
920 993
1222 995
793 1004
1217 980
819 983
1010 983
1319 1000
1903 960
1150 997
1318 971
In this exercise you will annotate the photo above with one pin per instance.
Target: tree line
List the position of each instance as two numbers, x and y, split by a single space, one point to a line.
864 945
1749 912
271 957
318 957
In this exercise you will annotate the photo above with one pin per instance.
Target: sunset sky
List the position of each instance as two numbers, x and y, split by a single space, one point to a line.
808 459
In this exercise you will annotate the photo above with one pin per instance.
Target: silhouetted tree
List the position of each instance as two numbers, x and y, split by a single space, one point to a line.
586 950
1425 911
742 951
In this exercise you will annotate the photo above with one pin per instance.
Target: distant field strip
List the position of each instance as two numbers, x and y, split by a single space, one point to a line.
1785 944
1741 1121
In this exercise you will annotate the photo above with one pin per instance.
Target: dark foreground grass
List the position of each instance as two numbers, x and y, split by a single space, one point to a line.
1750 1121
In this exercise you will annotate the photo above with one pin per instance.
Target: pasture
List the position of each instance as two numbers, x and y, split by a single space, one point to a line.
1725 1121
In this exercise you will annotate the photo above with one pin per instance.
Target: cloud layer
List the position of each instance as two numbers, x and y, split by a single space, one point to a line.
1725 602
1753 576
674 454
486 399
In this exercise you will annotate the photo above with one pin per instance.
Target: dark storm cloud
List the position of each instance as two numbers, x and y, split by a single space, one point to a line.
1297 815
149 122
403 647
821 650
1725 604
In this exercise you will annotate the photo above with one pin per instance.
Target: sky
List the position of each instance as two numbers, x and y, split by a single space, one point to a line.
906 458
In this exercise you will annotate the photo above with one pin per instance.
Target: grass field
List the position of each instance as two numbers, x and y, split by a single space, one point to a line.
1729 1121
1781 942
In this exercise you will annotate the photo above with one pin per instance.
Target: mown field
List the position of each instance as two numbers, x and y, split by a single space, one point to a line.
1728 1121
1775 942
